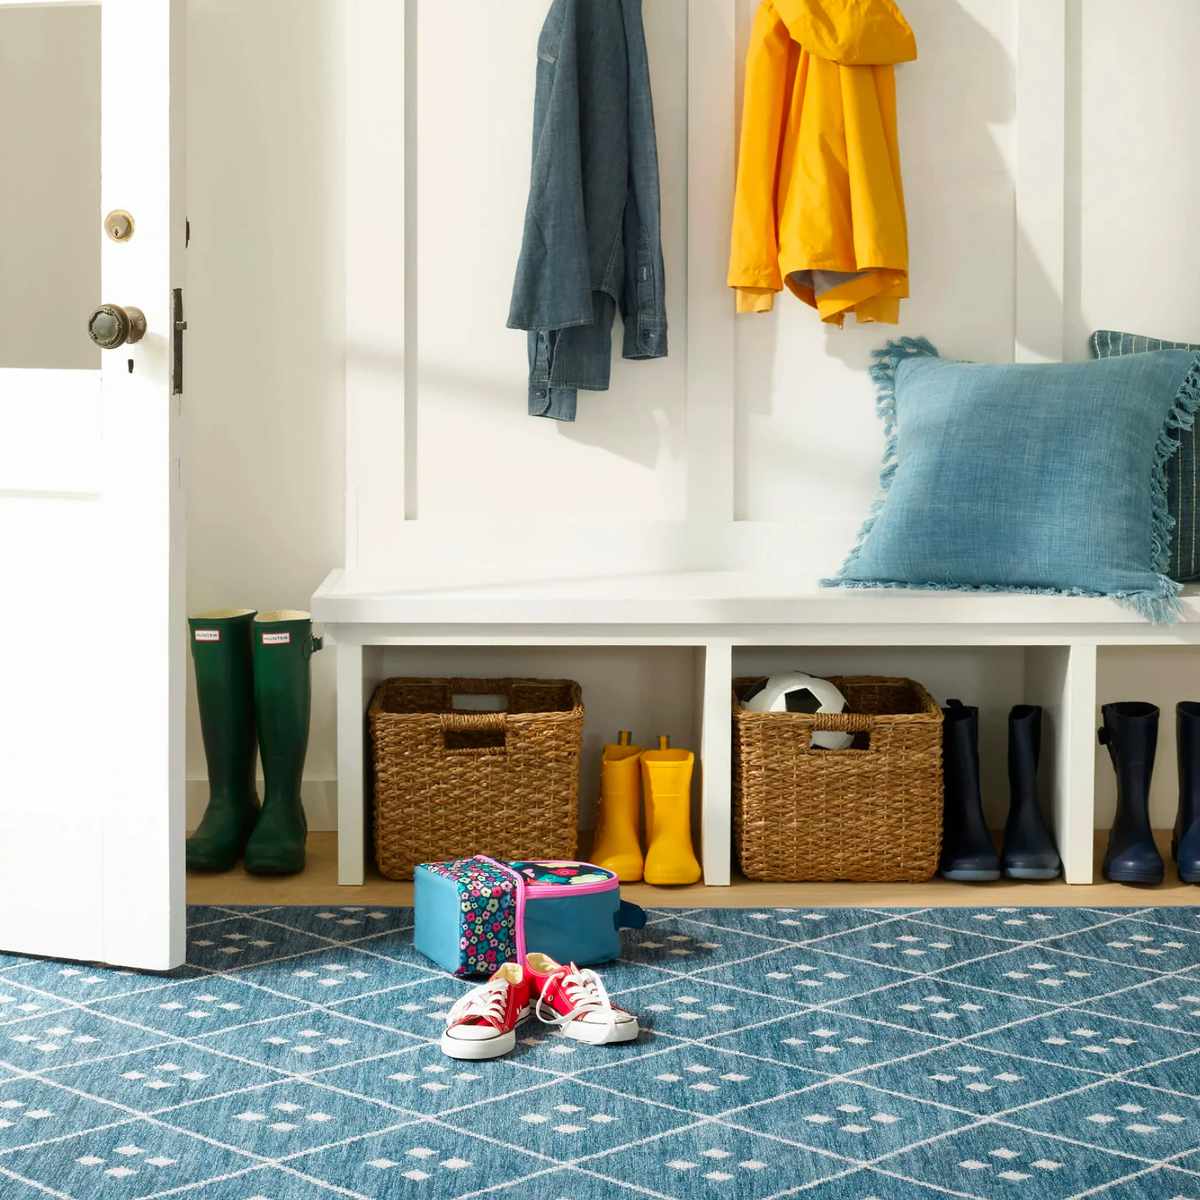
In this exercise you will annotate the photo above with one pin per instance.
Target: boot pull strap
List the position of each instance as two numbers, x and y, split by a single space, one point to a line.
954 704
1102 735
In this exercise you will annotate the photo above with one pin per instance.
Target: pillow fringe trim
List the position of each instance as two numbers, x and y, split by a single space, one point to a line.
1161 606
1166 606
883 376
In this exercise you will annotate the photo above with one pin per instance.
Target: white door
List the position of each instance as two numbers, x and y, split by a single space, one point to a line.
91 508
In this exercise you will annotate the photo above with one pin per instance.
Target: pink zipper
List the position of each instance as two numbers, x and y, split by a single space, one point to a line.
571 889
532 891
519 919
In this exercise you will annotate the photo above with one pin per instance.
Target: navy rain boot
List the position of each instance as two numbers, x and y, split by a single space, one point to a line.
1130 731
1029 850
968 855
1185 845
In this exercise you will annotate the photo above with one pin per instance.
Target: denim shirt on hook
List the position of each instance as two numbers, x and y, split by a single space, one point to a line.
592 235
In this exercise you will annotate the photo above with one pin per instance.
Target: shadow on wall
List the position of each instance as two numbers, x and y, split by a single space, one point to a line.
264 402
955 104
609 420
629 426
640 418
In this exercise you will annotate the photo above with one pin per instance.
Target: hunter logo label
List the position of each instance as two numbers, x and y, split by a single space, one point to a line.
208 635
276 639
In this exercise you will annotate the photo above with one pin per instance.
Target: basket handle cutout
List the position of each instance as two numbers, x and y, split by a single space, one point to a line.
861 725
478 701
477 733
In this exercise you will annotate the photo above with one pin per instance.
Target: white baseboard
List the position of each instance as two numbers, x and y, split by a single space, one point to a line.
319 795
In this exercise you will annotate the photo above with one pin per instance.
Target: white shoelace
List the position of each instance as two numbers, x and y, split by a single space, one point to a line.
488 1001
586 993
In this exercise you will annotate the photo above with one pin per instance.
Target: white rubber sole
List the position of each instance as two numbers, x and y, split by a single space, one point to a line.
479 1049
474 1050
600 1035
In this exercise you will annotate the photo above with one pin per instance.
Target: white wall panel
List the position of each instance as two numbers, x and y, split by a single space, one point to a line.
1135 175
478 454
1133 245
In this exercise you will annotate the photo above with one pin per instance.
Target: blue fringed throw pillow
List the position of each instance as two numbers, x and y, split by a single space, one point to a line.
1044 478
1182 475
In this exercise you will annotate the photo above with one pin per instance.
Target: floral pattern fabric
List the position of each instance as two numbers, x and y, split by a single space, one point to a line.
556 871
487 903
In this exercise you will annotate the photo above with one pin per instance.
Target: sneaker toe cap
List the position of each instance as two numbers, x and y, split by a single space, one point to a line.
473 1033
597 1018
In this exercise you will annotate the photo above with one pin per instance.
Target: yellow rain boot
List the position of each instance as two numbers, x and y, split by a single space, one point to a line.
617 848
667 783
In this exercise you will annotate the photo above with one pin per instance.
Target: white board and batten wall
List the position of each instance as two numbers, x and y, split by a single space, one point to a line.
765 424
1046 196
386 165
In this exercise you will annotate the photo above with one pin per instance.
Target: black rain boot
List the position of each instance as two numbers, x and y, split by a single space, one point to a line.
1029 850
1130 731
967 851
1185 845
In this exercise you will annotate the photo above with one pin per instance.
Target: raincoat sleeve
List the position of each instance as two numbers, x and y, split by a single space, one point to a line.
754 258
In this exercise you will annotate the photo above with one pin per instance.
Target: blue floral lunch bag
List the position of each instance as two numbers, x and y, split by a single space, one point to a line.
474 914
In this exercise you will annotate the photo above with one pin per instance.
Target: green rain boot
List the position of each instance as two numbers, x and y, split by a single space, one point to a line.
223 658
283 645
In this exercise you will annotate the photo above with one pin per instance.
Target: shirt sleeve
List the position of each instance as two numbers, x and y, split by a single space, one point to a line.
643 298
553 287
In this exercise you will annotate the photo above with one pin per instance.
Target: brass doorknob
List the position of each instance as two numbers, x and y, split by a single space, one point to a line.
111 326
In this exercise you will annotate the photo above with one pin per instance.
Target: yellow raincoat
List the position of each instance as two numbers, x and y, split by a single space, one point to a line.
819 203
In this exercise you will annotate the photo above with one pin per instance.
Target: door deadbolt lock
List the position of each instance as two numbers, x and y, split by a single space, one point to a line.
111 326
119 225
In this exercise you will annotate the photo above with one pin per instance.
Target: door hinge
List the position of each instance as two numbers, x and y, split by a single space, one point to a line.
178 325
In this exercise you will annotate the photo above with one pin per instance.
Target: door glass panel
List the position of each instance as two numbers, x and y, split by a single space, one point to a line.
50 219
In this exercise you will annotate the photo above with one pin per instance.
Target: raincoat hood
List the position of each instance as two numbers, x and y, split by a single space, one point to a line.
853 33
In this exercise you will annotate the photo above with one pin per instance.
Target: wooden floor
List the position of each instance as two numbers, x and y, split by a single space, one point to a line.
318 885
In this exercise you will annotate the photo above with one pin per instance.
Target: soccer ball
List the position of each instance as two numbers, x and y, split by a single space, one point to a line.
800 693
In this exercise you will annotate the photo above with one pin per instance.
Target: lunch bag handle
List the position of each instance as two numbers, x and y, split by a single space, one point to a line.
630 916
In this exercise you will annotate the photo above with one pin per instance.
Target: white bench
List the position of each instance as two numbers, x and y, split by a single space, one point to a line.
714 612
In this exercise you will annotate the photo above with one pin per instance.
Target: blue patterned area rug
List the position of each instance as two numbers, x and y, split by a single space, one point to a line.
830 1054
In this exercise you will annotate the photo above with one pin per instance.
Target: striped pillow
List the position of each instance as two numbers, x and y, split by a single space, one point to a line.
1183 502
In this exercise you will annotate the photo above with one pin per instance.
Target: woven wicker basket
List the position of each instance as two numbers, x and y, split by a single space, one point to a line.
863 814
449 784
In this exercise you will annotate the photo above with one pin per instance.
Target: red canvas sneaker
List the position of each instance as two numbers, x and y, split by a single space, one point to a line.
483 1023
577 1002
